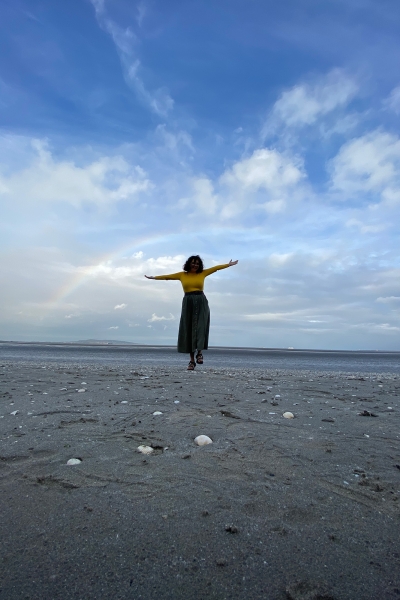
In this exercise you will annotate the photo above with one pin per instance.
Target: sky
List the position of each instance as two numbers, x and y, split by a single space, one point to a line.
135 134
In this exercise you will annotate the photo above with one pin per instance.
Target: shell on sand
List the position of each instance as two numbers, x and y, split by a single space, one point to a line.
14 412
74 461
203 440
146 449
157 412
288 415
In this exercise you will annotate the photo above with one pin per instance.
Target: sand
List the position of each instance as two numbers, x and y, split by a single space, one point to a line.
274 508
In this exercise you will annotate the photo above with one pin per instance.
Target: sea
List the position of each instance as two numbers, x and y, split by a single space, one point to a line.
243 358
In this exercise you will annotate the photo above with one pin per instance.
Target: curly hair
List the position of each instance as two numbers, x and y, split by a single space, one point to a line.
186 266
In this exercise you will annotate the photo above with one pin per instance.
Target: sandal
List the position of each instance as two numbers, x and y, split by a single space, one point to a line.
199 358
191 366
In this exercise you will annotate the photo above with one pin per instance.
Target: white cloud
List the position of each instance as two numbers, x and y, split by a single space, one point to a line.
154 318
363 227
305 103
268 171
126 42
46 179
174 140
142 11
202 198
278 260
367 167
120 306
388 299
393 101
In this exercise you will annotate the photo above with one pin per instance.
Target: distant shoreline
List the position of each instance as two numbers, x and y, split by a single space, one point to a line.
112 343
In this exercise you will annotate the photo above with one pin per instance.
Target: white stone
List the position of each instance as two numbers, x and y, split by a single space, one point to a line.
157 412
124 402
176 401
14 412
288 415
146 449
203 440
277 396
82 390
74 461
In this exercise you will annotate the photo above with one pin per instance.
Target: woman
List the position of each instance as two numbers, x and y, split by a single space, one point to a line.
194 325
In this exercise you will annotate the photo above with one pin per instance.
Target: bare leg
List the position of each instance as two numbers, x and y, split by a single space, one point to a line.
192 363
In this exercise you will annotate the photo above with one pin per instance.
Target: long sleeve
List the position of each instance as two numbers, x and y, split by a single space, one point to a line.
214 269
173 276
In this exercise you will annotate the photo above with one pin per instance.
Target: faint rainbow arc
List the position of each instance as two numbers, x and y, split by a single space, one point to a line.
79 279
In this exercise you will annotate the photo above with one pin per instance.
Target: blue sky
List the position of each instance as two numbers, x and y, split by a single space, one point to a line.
135 134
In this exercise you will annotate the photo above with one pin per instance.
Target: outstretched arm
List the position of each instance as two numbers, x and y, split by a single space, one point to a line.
173 276
231 263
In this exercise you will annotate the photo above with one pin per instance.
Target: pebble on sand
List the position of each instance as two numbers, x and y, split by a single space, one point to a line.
146 449
82 390
14 412
73 461
157 412
288 415
203 440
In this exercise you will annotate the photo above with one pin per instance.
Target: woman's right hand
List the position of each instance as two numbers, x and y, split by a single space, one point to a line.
149 277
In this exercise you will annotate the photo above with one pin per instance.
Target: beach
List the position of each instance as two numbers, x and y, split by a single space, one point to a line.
305 507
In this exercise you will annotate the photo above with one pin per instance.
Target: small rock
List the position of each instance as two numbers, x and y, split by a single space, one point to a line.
157 412
146 449
221 562
203 440
305 590
124 401
74 461
231 529
328 420
288 415
82 390
14 412
367 413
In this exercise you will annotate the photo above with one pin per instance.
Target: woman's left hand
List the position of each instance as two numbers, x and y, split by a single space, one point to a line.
233 262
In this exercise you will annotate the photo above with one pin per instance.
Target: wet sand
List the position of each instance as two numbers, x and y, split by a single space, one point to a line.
274 508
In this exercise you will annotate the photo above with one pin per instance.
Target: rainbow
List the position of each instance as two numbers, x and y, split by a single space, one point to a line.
86 273
187 239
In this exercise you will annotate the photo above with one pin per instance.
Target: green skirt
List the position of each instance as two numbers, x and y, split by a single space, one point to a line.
194 325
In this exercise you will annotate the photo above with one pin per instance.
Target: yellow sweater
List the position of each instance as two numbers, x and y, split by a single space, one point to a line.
192 282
